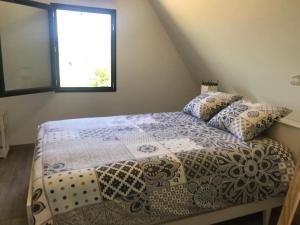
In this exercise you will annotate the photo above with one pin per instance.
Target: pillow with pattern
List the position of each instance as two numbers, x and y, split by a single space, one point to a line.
206 105
247 120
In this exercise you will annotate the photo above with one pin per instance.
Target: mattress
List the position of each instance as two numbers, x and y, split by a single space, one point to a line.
148 169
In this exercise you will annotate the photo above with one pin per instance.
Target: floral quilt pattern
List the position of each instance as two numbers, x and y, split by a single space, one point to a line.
148 169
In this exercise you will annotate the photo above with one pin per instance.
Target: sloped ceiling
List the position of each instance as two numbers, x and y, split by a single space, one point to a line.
252 46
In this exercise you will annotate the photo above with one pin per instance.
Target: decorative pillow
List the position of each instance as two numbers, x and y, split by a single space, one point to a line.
205 106
247 120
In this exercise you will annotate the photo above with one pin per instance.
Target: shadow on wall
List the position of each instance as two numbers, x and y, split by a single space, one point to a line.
191 57
190 54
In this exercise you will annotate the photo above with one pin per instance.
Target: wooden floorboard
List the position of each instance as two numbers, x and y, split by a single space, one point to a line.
14 177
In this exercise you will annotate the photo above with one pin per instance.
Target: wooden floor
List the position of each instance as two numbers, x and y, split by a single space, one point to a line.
14 177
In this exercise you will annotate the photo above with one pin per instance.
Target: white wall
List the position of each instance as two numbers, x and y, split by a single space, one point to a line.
151 77
251 46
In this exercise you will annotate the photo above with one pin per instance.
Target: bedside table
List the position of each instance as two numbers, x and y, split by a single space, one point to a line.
4 147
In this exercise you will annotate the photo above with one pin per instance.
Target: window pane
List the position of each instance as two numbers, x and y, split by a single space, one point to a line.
24 32
84 43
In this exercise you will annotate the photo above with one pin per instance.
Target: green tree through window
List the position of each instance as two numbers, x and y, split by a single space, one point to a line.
100 78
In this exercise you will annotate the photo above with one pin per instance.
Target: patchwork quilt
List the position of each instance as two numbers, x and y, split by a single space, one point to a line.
148 169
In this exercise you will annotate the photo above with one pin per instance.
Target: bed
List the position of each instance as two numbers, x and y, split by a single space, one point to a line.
161 168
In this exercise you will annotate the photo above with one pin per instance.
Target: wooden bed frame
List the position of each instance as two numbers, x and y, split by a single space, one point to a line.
286 132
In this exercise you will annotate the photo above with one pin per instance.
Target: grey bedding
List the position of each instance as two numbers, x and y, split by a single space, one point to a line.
148 169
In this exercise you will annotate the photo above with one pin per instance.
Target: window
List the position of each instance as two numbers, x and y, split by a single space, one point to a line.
71 48
25 52
85 48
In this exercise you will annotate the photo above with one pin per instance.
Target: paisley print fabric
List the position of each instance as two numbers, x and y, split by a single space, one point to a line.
207 192
50 169
160 171
205 106
149 169
247 120
36 205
